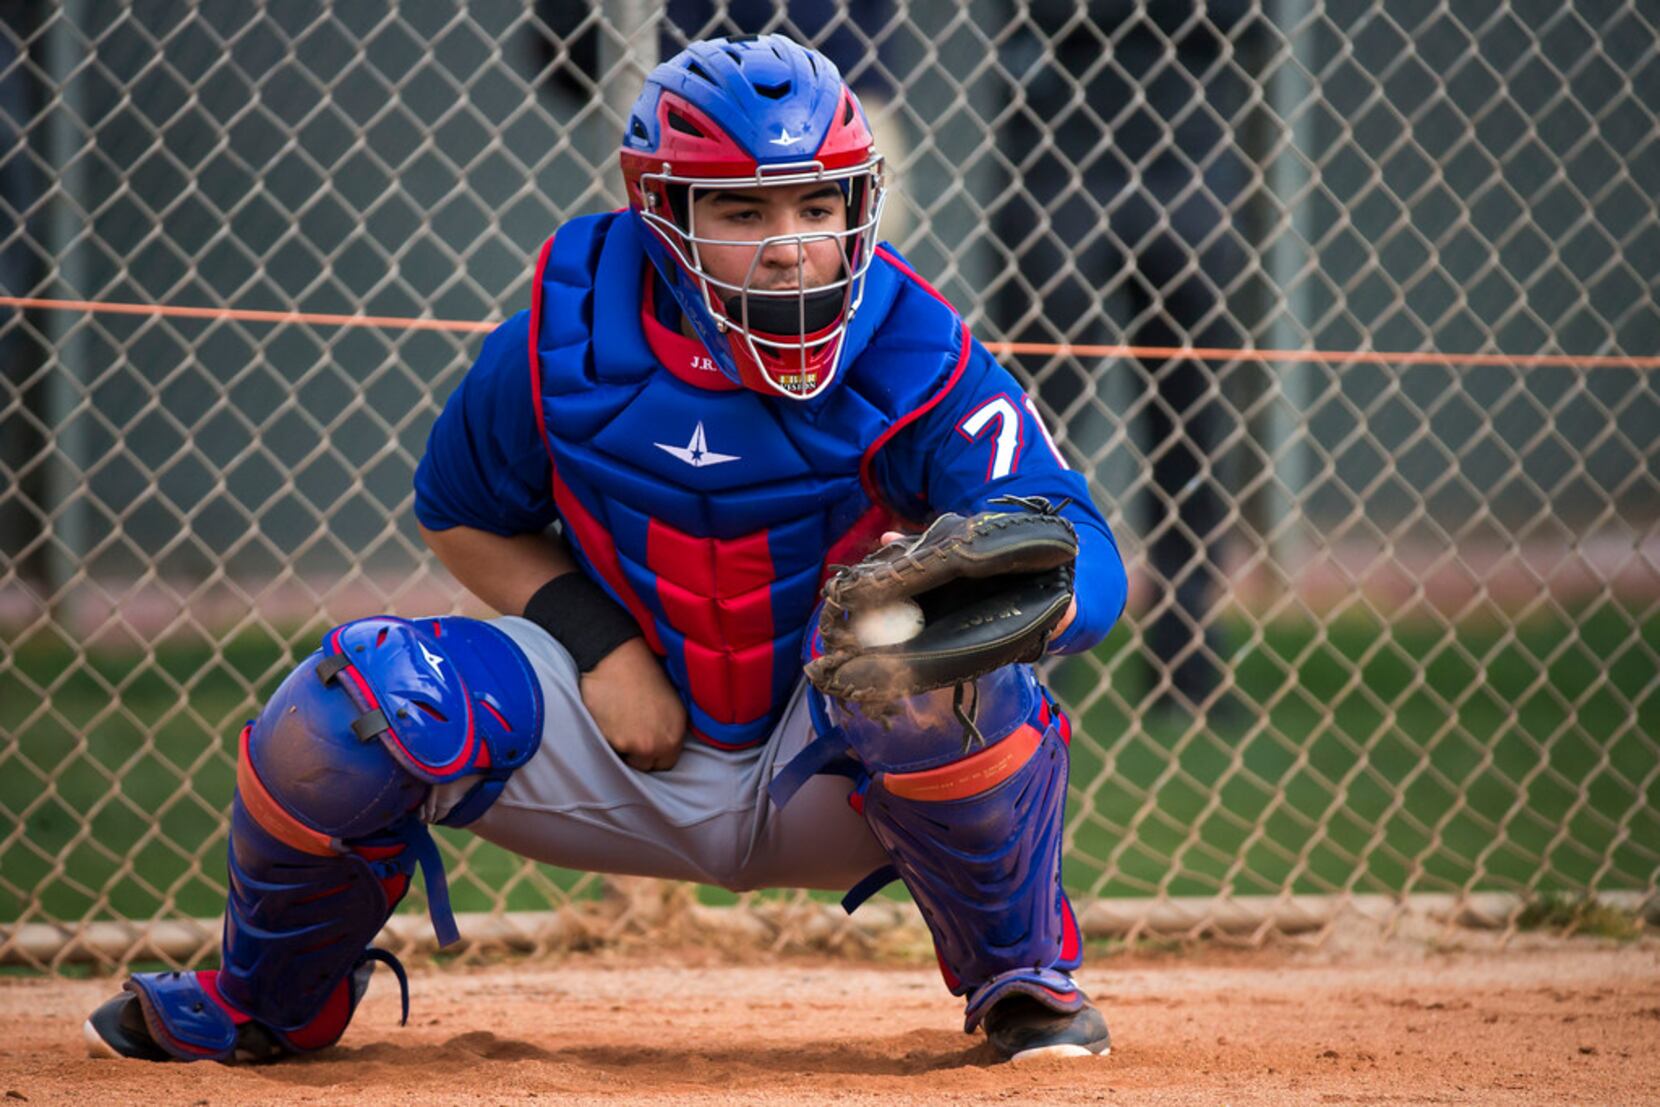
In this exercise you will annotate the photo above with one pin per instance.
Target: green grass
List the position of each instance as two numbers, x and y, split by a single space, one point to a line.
1382 757
1361 755
1564 914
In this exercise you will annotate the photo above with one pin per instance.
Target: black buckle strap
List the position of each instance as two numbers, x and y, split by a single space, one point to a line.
329 667
375 953
368 727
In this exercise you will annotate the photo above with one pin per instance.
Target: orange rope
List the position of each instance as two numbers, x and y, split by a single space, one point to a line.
1196 353
247 315
1344 357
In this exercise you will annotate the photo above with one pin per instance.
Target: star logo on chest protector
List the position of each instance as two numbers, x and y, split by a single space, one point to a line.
696 453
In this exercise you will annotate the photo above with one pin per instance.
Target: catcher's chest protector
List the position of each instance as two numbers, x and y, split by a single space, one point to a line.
711 512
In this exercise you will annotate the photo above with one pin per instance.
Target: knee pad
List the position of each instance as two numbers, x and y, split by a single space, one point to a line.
968 799
388 707
326 826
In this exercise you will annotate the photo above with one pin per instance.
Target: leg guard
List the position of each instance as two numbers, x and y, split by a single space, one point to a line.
326 827
969 801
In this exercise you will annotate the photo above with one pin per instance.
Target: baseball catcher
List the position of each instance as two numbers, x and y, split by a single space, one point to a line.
775 541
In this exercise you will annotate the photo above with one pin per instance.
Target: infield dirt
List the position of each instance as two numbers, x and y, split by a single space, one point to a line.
1559 1022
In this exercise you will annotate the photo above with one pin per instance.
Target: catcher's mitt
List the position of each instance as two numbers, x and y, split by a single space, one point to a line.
991 588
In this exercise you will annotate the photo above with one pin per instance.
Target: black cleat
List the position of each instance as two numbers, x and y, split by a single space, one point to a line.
119 1027
116 1029
1023 1029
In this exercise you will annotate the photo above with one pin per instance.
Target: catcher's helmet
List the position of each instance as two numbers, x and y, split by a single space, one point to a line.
746 113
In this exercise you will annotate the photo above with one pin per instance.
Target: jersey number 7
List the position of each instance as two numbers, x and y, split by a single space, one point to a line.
1010 438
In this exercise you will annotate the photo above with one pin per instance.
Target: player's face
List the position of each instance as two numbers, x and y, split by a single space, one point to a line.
745 217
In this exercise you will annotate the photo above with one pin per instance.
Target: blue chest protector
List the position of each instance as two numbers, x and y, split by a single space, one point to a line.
711 514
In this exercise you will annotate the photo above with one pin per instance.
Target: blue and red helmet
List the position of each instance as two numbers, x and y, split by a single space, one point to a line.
747 113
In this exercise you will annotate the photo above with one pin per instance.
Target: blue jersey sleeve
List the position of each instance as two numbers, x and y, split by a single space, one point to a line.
985 439
485 464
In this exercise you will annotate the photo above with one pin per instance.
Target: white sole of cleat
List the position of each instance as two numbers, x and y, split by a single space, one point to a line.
1049 1053
95 1044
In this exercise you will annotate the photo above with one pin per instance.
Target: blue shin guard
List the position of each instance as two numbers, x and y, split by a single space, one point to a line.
968 799
326 827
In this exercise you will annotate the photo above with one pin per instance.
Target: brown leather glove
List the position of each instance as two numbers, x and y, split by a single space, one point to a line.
991 588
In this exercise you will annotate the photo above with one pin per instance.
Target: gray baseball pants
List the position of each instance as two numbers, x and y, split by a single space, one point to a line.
576 805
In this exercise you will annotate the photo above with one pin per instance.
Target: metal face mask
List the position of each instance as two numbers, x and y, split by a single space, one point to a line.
786 340
740 115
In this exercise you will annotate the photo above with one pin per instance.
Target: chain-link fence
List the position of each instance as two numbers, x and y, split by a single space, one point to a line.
1395 619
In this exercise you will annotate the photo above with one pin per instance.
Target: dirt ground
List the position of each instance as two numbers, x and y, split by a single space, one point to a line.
1566 1022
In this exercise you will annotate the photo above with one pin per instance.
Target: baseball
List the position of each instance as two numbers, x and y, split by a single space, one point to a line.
888 625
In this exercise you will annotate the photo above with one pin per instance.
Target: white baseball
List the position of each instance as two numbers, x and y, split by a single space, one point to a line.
888 625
